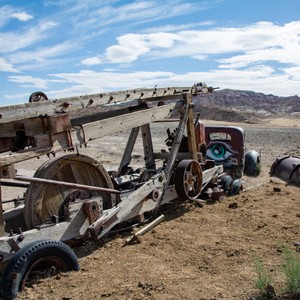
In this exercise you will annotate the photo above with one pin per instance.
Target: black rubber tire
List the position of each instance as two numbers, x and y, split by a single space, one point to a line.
252 163
38 96
226 182
15 274
235 188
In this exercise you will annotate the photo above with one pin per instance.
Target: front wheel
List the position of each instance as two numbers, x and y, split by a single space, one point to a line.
36 260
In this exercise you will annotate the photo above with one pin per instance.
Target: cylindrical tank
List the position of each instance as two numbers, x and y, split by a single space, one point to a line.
287 168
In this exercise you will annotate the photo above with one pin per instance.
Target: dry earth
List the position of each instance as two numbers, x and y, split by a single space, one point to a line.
197 252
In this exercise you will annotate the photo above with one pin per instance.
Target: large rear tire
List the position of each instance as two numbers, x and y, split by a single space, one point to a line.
36 258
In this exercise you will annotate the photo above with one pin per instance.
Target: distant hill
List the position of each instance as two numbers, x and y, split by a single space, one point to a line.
245 106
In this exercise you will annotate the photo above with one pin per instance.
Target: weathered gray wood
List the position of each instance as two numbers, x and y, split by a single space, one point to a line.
44 201
1 213
121 123
127 206
207 175
145 229
69 104
63 231
176 145
191 128
81 134
148 147
22 156
126 159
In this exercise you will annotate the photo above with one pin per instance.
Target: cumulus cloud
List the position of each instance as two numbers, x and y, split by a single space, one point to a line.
260 41
263 56
132 46
91 61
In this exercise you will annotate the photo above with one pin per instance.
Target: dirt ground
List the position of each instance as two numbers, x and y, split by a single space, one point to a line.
199 252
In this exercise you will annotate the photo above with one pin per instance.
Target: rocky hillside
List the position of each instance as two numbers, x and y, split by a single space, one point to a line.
245 106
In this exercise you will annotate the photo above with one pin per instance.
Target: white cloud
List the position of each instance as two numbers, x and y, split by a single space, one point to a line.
42 54
111 13
261 41
91 61
260 79
12 41
132 46
8 12
22 16
7 67
293 72
29 81
177 27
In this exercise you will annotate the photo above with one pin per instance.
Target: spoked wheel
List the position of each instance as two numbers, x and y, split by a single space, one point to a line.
188 179
37 260
43 201
38 96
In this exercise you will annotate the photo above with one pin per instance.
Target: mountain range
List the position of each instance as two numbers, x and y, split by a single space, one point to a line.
245 106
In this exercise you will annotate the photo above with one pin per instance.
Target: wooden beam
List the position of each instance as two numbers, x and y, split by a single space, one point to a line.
148 147
1 213
126 159
120 123
191 128
70 104
22 156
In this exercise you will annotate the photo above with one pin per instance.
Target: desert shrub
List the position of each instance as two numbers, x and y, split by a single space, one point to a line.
264 281
257 169
291 270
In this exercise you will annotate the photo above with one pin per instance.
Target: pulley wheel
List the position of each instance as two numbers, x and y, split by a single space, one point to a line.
43 201
188 179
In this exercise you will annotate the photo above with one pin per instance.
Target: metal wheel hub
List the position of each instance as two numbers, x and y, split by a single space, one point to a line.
188 179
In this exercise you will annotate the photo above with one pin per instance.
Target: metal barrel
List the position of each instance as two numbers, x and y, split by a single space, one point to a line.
287 168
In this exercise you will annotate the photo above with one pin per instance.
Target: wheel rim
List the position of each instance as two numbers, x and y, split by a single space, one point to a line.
37 97
43 201
42 268
188 179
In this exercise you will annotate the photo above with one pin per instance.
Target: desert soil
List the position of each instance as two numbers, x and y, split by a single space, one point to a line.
199 252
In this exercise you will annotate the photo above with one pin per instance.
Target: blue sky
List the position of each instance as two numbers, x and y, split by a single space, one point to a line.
69 47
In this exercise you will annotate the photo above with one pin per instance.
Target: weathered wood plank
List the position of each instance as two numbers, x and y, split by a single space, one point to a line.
69 104
191 128
128 206
121 123
7 160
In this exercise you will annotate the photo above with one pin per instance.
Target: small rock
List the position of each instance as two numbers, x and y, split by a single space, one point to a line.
276 189
233 205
